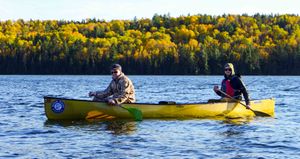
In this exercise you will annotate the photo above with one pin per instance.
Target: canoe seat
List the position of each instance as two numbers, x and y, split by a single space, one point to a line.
166 102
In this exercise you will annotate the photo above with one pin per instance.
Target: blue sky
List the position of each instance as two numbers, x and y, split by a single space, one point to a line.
128 9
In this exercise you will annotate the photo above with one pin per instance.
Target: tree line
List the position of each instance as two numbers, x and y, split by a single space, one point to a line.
185 45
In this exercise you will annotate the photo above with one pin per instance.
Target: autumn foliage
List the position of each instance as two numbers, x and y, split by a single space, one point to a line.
189 45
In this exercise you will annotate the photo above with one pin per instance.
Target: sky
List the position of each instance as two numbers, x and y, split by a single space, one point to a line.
78 10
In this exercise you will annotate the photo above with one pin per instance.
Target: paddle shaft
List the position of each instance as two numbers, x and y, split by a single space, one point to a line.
122 107
257 113
235 100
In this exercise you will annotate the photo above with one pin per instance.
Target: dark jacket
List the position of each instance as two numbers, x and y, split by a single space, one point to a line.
238 86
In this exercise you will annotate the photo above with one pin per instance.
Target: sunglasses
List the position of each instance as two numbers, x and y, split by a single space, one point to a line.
227 69
114 72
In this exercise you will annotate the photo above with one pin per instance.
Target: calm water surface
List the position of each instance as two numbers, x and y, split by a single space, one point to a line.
25 131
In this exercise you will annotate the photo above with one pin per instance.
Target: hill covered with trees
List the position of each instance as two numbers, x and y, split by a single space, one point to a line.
189 45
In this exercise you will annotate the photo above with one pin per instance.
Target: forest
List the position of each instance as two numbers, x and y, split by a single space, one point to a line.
164 45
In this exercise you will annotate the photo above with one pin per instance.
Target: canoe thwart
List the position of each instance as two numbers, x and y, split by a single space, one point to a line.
166 102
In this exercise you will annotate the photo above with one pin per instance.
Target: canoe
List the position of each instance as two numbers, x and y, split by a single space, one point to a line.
72 109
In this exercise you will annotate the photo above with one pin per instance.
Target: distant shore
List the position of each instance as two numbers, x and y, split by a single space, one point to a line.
163 45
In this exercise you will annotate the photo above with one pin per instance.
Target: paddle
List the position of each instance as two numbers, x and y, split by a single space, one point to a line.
257 113
136 113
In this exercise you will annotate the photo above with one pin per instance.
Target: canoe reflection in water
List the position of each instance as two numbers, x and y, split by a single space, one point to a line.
120 127
115 127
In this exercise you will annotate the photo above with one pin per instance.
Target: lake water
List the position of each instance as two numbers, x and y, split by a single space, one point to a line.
25 131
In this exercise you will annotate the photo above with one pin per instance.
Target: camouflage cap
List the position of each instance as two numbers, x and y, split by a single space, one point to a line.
116 67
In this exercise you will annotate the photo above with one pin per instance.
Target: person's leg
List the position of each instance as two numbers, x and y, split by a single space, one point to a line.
99 99
214 101
238 97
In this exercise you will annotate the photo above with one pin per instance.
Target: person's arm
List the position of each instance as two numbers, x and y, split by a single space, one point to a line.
244 91
216 89
125 91
105 93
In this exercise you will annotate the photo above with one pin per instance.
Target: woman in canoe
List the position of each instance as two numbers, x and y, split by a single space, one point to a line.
120 89
232 86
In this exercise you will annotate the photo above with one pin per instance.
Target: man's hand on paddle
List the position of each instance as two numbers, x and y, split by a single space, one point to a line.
92 94
248 106
111 102
216 88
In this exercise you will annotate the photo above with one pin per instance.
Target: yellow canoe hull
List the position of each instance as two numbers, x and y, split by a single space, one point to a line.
71 109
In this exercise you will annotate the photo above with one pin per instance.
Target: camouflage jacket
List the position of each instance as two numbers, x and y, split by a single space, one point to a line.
121 90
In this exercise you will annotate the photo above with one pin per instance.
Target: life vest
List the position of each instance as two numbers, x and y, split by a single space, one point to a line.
228 88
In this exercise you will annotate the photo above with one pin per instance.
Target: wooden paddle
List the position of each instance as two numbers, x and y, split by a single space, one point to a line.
257 113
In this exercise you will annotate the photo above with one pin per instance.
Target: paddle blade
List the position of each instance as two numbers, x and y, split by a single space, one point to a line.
258 113
136 113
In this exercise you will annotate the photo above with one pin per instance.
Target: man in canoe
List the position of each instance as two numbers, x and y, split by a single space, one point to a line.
120 89
232 86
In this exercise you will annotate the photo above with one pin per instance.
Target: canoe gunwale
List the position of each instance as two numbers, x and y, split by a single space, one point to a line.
83 100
